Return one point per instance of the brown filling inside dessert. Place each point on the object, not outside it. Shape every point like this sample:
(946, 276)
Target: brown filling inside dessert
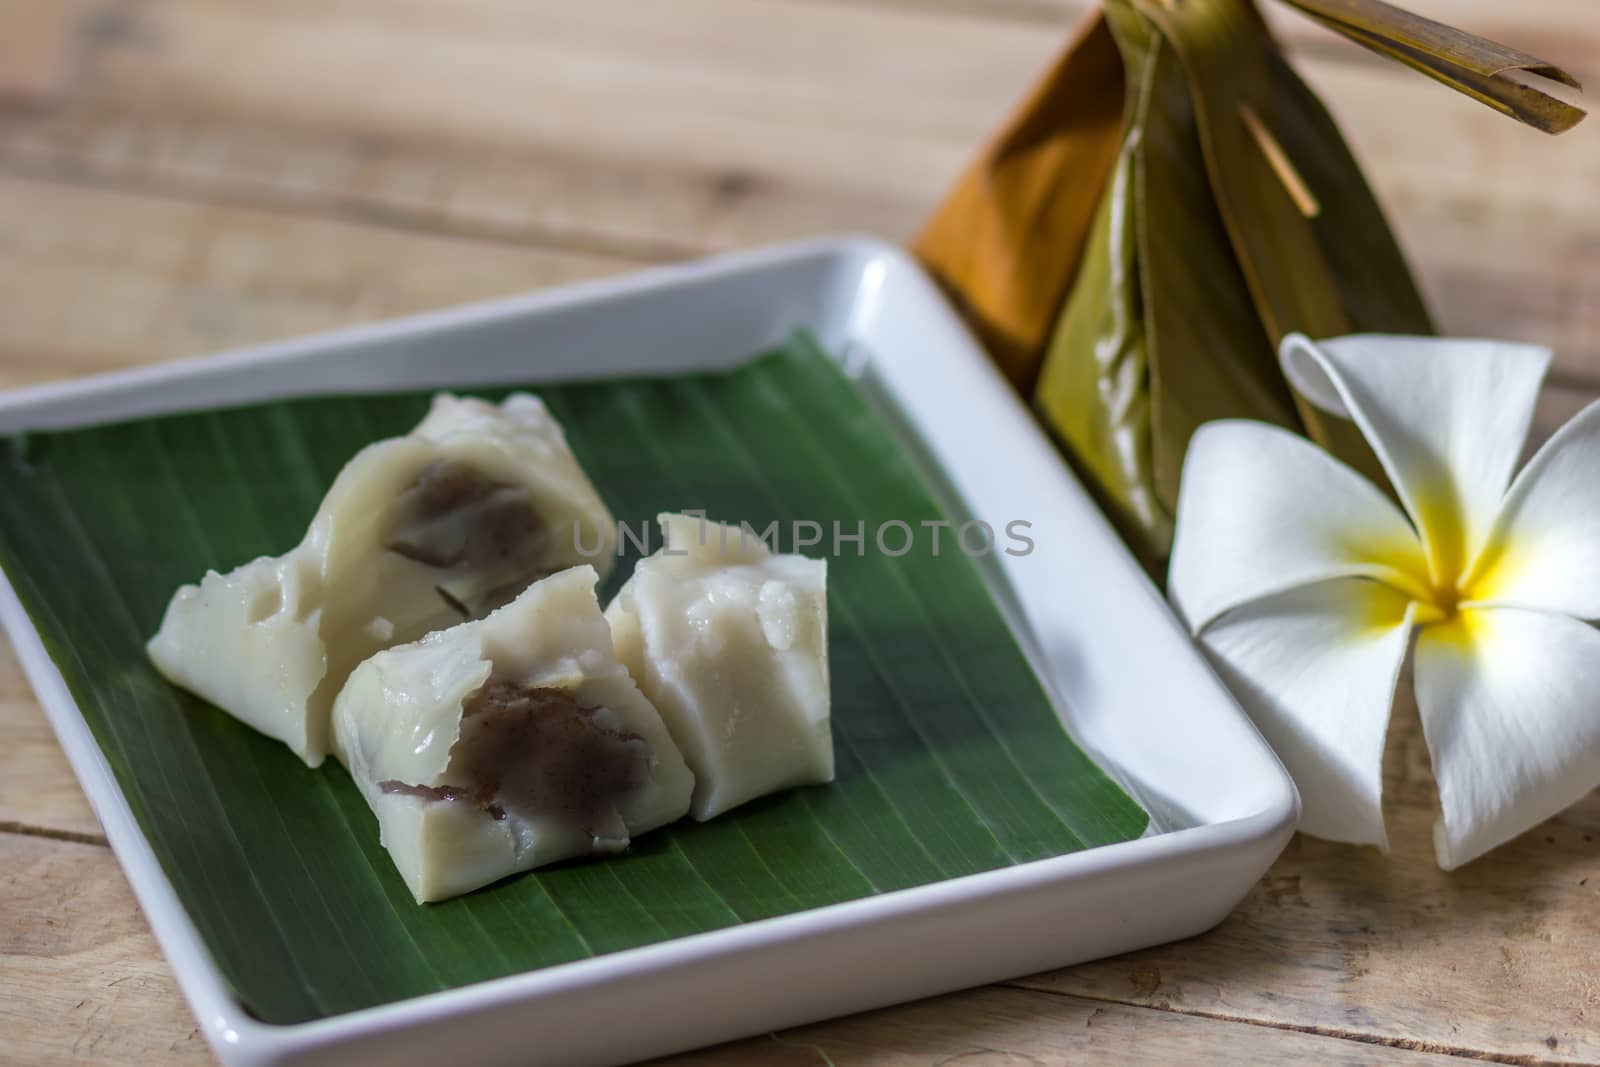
(454, 515)
(537, 751)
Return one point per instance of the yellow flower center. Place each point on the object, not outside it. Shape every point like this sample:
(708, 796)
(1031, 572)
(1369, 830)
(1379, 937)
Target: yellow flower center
(1441, 605)
(1441, 581)
(1437, 580)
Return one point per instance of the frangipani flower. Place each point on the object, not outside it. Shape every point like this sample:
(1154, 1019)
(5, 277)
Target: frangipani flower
(1308, 586)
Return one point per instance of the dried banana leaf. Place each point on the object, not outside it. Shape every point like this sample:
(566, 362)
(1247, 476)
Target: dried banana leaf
(1469, 64)
(1160, 332)
(1007, 241)
(1234, 213)
(1094, 391)
(1362, 255)
(1313, 245)
(1216, 237)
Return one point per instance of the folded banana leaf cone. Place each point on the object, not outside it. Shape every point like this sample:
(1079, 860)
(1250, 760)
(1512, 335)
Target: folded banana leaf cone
(1167, 204)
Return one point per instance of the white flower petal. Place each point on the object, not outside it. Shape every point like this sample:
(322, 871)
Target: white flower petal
(1510, 705)
(1315, 669)
(1447, 419)
(1262, 510)
(1544, 549)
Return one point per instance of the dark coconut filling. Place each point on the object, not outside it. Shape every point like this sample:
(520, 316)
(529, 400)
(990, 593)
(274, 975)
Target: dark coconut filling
(538, 752)
(454, 517)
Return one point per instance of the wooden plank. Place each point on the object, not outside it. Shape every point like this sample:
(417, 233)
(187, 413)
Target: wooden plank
(1500, 959)
(95, 280)
(37, 790)
(81, 983)
(603, 126)
(81, 980)
(35, 46)
(854, 98)
(604, 120)
(1001, 1027)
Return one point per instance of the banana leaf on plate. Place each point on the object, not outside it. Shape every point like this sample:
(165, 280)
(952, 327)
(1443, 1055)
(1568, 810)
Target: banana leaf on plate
(952, 759)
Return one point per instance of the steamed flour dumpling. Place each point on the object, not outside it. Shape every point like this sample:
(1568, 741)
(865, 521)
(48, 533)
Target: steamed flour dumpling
(499, 745)
(418, 532)
(730, 642)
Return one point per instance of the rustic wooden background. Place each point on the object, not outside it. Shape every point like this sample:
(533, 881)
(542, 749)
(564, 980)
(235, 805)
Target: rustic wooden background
(180, 176)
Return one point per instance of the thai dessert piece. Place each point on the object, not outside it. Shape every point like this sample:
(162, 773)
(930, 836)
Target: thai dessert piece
(503, 744)
(729, 640)
(419, 532)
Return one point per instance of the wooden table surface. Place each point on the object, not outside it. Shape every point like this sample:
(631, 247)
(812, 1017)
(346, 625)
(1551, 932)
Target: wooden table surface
(181, 176)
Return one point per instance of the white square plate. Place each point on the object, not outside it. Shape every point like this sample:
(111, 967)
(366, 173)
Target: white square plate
(1128, 681)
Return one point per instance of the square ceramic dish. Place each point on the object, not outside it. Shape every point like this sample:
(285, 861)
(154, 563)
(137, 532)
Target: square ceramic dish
(1124, 675)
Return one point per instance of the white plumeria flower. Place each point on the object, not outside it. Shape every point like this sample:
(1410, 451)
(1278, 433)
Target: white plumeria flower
(1306, 584)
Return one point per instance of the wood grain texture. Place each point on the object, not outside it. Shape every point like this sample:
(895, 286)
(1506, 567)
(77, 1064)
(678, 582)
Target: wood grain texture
(81, 980)
(673, 131)
(1501, 957)
(35, 50)
(169, 278)
(38, 793)
(1004, 1027)
(206, 173)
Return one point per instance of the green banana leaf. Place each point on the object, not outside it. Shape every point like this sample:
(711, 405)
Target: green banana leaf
(951, 758)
